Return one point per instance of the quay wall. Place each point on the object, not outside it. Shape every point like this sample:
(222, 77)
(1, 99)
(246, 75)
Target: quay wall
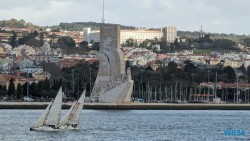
(131, 106)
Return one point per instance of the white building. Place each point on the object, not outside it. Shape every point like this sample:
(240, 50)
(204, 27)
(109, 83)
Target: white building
(139, 56)
(46, 54)
(32, 69)
(138, 34)
(41, 75)
(156, 47)
(23, 50)
(26, 63)
(231, 56)
(89, 35)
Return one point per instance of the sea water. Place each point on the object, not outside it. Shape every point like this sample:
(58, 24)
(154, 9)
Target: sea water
(132, 125)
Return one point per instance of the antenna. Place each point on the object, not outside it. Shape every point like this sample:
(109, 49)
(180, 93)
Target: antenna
(103, 20)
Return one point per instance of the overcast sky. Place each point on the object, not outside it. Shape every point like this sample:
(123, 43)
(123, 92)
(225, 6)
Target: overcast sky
(220, 16)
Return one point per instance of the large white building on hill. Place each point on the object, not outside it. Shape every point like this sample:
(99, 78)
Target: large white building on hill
(139, 34)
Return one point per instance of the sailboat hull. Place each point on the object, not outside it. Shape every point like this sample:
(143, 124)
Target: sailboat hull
(68, 127)
(45, 128)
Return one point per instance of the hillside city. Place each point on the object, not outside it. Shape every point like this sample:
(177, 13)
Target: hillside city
(124, 70)
(167, 65)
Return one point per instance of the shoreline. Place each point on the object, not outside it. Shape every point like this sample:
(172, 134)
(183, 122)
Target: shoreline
(131, 106)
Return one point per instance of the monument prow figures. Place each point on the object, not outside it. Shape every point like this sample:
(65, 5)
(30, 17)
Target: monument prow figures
(112, 84)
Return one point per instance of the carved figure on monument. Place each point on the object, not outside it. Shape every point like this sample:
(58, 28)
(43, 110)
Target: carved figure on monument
(111, 85)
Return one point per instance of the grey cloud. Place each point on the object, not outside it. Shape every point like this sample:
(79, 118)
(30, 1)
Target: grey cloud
(221, 16)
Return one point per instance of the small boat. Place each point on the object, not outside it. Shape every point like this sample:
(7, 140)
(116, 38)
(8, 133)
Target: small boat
(72, 117)
(49, 120)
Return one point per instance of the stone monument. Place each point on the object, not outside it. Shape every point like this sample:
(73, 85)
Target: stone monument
(113, 83)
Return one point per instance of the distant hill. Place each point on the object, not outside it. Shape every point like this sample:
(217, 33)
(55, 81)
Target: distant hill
(195, 34)
(17, 24)
(78, 26)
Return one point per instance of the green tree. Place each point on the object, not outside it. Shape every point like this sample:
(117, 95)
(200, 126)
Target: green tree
(176, 43)
(84, 45)
(155, 41)
(246, 42)
(53, 37)
(66, 42)
(189, 67)
(40, 87)
(47, 84)
(130, 42)
(33, 89)
(41, 38)
(30, 40)
(33, 42)
(205, 39)
(96, 46)
(35, 33)
(248, 73)
(163, 45)
(19, 91)
(13, 40)
(172, 66)
(4, 89)
(225, 44)
(11, 89)
(243, 69)
(172, 46)
(231, 74)
(24, 87)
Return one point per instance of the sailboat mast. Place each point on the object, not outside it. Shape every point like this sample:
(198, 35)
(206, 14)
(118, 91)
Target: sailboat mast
(27, 89)
(180, 90)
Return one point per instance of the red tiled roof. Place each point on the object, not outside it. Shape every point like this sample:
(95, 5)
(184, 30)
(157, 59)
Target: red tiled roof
(92, 60)
(8, 76)
(69, 61)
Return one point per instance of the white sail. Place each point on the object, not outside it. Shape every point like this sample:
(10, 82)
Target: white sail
(40, 121)
(65, 120)
(73, 115)
(53, 116)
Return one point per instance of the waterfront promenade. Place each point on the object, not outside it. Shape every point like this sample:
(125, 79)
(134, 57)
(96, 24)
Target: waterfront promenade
(131, 106)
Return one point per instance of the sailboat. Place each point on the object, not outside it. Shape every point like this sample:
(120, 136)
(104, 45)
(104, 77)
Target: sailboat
(49, 120)
(72, 117)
